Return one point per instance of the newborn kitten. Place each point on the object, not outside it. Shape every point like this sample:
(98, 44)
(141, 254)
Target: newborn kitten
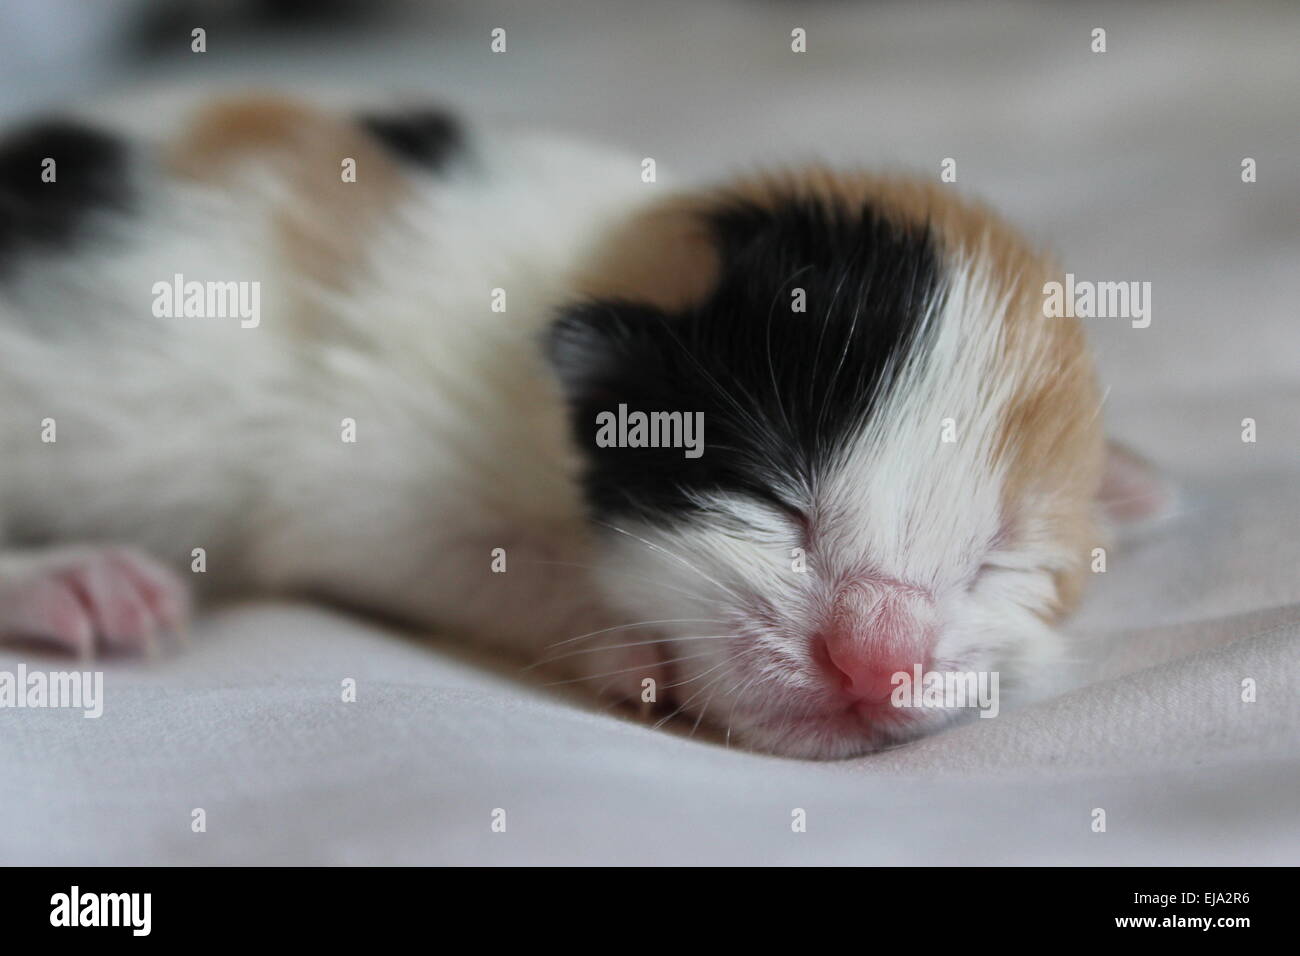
(394, 364)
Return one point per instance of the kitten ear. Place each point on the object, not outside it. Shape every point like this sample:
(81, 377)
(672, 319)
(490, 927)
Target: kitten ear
(598, 347)
(1133, 492)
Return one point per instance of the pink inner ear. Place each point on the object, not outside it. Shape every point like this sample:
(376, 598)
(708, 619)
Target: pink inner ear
(1131, 488)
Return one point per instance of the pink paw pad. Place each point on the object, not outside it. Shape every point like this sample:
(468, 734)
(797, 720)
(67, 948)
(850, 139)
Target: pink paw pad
(91, 600)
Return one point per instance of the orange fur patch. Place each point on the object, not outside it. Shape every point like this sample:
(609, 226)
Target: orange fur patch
(662, 255)
(320, 220)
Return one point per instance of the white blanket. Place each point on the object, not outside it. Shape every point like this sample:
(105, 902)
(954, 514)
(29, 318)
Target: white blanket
(1129, 164)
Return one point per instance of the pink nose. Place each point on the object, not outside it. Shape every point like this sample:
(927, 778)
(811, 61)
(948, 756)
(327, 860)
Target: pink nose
(876, 630)
(863, 673)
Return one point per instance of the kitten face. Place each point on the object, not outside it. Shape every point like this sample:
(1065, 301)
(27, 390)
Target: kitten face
(900, 456)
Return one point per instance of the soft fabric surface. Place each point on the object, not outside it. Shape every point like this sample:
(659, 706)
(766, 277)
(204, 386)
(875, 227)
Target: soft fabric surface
(1128, 163)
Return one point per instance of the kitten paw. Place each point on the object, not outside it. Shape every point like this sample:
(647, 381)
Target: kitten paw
(91, 599)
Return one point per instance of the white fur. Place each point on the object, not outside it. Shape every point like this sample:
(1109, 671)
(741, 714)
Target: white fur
(175, 434)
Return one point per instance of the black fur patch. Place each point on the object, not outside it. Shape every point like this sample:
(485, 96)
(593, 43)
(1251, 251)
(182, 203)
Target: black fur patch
(91, 176)
(427, 137)
(781, 391)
